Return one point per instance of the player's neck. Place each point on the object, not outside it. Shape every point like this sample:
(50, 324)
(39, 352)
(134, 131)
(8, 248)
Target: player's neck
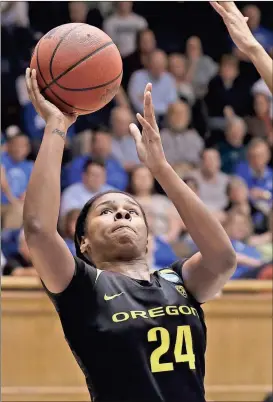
(136, 269)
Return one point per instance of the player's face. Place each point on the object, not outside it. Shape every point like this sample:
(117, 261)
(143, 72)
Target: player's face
(116, 229)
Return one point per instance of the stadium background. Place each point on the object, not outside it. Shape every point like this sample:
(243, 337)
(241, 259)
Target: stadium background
(36, 363)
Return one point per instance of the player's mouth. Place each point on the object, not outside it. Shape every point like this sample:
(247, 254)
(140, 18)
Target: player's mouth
(122, 227)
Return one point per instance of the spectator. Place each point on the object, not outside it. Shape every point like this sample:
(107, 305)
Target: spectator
(101, 147)
(232, 150)
(18, 170)
(260, 125)
(79, 12)
(165, 221)
(260, 87)
(123, 145)
(146, 44)
(68, 229)
(181, 144)
(225, 90)
(20, 263)
(263, 242)
(200, 68)
(93, 182)
(177, 67)
(212, 182)
(239, 201)
(239, 228)
(262, 35)
(14, 14)
(123, 27)
(160, 254)
(257, 174)
(164, 87)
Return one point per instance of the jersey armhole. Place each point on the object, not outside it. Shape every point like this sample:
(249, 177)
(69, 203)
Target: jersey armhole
(81, 269)
(177, 268)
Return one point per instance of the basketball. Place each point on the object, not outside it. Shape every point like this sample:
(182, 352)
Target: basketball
(79, 68)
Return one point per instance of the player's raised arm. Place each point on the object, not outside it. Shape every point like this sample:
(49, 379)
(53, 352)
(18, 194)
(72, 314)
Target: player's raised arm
(206, 272)
(49, 253)
(241, 35)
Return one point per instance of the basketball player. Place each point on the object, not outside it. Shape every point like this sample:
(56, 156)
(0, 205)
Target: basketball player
(241, 35)
(137, 336)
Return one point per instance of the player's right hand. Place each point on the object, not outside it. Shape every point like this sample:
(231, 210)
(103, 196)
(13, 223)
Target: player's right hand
(236, 24)
(43, 107)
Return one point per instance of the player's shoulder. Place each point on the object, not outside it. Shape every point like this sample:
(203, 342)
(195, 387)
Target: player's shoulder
(172, 273)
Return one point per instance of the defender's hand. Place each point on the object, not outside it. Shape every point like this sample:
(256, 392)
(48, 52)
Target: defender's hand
(236, 24)
(149, 145)
(43, 107)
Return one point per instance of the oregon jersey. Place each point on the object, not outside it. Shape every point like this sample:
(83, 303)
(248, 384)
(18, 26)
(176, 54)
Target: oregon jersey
(134, 340)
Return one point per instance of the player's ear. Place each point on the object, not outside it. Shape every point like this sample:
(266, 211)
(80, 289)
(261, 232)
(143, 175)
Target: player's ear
(85, 245)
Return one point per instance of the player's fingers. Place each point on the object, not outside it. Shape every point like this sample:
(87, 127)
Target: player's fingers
(29, 86)
(149, 113)
(217, 7)
(135, 133)
(148, 88)
(36, 91)
(149, 132)
(229, 5)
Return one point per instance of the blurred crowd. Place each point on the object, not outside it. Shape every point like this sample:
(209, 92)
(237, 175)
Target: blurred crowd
(214, 114)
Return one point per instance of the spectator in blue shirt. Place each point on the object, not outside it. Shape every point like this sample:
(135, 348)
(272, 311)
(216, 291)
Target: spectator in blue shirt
(18, 170)
(262, 35)
(256, 172)
(160, 253)
(93, 182)
(116, 175)
(68, 226)
(232, 150)
(164, 86)
(239, 228)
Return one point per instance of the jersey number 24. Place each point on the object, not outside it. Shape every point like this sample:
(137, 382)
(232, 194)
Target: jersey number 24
(183, 335)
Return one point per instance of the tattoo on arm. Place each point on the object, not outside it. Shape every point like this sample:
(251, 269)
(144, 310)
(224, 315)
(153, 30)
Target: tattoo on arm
(59, 132)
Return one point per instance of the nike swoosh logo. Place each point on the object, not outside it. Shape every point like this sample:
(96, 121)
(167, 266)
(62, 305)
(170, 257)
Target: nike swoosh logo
(106, 298)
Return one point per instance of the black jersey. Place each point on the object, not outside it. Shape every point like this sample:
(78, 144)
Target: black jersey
(135, 341)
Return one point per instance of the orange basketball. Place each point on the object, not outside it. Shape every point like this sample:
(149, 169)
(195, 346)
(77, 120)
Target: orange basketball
(79, 68)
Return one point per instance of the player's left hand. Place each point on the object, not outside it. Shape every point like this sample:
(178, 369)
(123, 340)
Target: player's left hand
(149, 145)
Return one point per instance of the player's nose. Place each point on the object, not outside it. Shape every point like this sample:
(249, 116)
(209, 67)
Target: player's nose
(122, 214)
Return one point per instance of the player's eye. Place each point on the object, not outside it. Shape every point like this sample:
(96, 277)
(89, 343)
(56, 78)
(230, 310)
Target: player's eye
(132, 211)
(106, 211)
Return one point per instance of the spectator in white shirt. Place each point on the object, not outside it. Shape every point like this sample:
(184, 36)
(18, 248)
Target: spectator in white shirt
(177, 67)
(93, 182)
(123, 144)
(123, 27)
(182, 144)
(164, 86)
(212, 183)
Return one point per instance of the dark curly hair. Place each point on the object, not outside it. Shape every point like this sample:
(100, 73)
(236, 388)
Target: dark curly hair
(81, 221)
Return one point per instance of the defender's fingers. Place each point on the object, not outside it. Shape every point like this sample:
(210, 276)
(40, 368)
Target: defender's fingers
(217, 7)
(149, 113)
(136, 134)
